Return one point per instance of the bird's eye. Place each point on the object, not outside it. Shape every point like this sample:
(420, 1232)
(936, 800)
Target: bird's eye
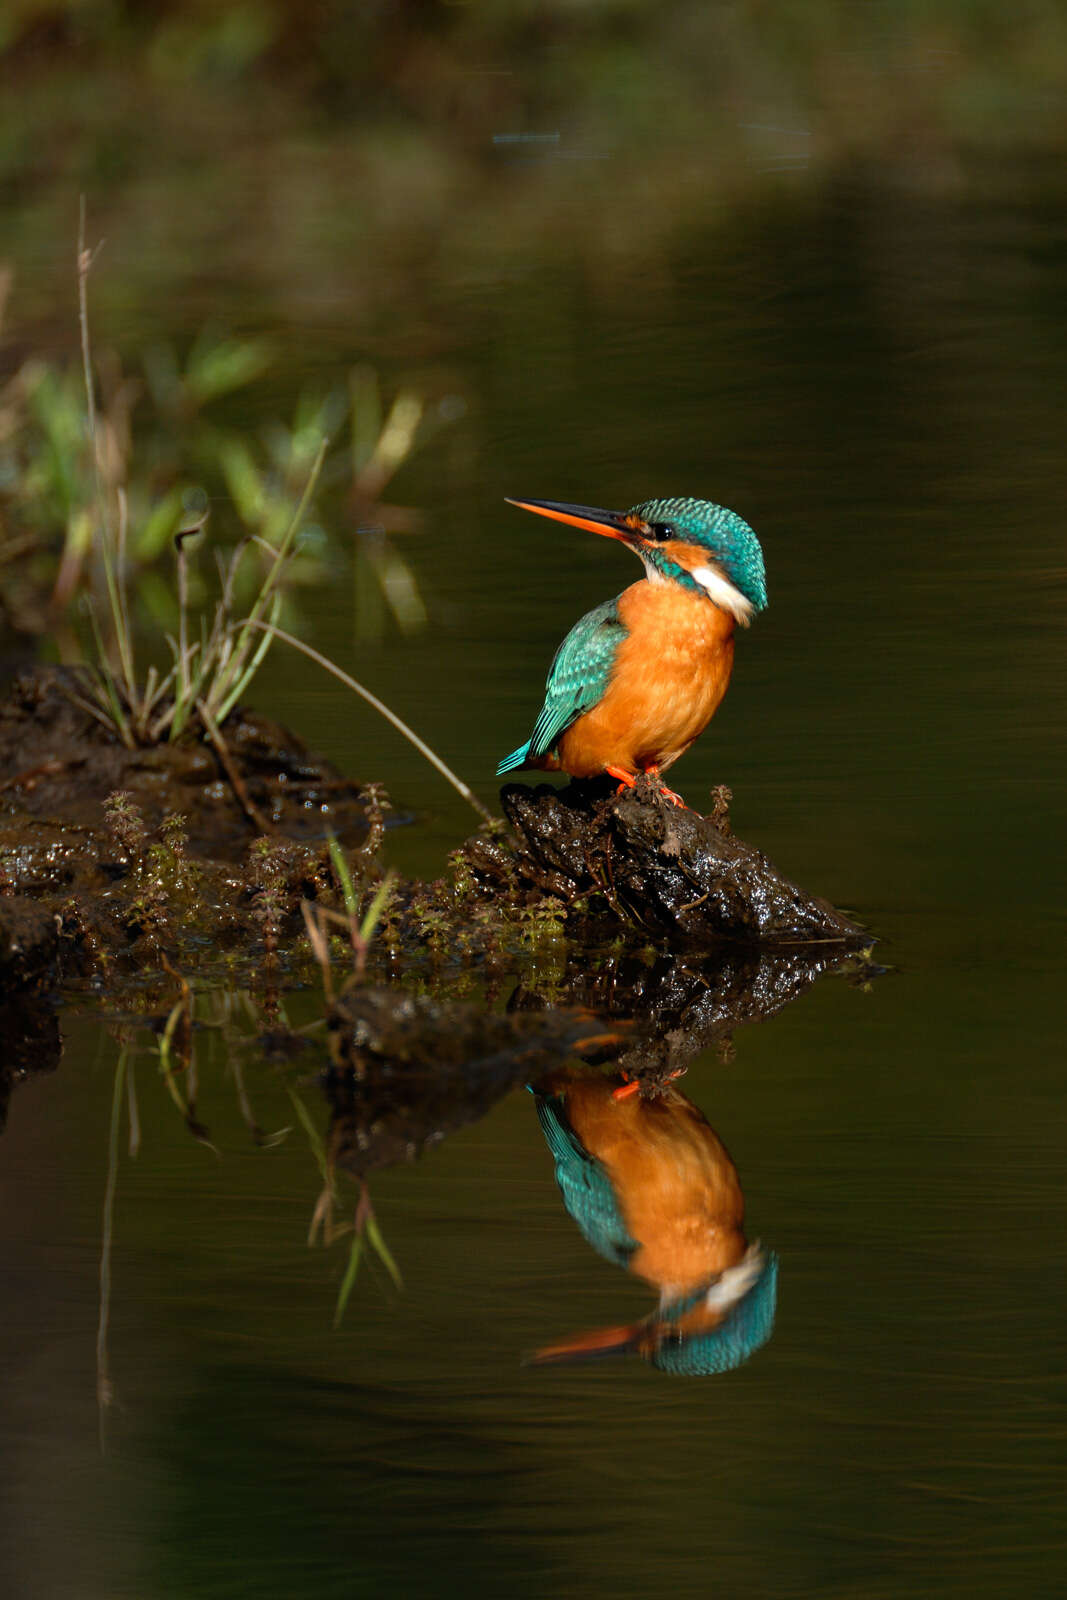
(661, 530)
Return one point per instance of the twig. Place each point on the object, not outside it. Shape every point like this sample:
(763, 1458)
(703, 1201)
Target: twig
(379, 706)
(237, 784)
(85, 261)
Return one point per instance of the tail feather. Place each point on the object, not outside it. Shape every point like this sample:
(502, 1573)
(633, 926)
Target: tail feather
(516, 759)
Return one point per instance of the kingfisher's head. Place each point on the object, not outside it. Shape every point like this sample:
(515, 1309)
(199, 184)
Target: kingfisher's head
(716, 1329)
(701, 546)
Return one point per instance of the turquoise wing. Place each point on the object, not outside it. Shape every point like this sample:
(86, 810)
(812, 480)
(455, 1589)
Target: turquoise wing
(577, 679)
(584, 1185)
(745, 1330)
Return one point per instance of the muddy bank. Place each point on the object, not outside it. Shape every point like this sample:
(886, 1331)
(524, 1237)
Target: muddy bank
(638, 860)
(57, 762)
(117, 863)
(113, 861)
(617, 928)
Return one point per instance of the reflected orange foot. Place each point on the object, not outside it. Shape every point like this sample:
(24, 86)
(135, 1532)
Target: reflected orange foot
(631, 1086)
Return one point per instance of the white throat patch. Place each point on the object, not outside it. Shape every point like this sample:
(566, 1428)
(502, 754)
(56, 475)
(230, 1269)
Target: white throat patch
(735, 1282)
(732, 1284)
(721, 592)
(652, 572)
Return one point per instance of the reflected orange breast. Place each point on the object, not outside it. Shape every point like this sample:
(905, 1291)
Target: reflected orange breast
(675, 1184)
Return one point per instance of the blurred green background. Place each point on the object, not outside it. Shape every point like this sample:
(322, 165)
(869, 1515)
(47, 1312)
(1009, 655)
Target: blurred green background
(809, 261)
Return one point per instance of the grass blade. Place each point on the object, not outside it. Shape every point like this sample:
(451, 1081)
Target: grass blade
(120, 720)
(223, 696)
(383, 710)
(344, 875)
(254, 665)
(374, 911)
(374, 1234)
(347, 1282)
(318, 1149)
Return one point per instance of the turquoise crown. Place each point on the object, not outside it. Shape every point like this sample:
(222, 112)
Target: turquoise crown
(726, 537)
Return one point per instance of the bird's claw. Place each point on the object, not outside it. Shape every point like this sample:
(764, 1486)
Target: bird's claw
(628, 780)
(667, 794)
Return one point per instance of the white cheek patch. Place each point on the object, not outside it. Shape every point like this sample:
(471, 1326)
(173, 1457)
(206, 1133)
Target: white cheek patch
(735, 1281)
(721, 592)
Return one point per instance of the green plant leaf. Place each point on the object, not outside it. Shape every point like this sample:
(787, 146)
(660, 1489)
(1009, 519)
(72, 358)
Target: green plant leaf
(348, 1281)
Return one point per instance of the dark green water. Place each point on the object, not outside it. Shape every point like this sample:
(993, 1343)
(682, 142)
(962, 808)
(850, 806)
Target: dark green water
(874, 377)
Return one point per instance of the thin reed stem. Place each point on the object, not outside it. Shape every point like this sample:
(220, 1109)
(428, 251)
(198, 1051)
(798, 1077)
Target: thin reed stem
(229, 684)
(85, 261)
(383, 710)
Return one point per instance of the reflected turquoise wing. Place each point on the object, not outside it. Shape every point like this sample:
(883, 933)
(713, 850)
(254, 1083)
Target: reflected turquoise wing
(577, 679)
(585, 1186)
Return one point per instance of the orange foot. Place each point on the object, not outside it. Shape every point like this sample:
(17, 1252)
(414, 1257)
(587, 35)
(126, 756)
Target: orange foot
(627, 780)
(668, 794)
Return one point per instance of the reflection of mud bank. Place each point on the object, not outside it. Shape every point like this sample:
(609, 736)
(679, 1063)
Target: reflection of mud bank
(410, 1070)
(29, 1031)
(679, 1005)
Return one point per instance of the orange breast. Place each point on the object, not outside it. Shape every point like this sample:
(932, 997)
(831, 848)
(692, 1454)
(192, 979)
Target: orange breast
(669, 676)
(674, 1181)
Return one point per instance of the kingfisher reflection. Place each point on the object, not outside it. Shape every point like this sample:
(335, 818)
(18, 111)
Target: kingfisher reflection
(653, 1189)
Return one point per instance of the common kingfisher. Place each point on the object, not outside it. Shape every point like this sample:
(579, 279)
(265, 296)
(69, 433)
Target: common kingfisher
(652, 1188)
(639, 677)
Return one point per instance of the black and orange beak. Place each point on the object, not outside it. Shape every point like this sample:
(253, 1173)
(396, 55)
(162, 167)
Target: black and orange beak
(612, 524)
(593, 1345)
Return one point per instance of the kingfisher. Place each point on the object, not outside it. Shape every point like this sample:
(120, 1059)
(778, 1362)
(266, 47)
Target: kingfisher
(639, 677)
(652, 1188)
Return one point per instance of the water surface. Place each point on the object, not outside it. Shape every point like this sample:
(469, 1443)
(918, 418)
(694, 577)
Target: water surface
(871, 373)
